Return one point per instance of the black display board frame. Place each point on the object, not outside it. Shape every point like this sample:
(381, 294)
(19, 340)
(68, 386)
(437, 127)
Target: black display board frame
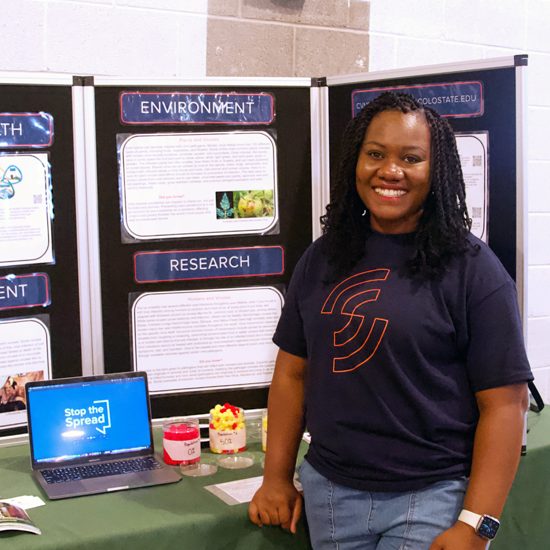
(24, 95)
(93, 275)
(294, 174)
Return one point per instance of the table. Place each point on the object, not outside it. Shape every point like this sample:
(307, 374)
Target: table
(186, 516)
(525, 517)
(178, 516)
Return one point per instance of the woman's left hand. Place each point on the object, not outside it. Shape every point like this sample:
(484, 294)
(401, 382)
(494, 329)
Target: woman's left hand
(459, 537)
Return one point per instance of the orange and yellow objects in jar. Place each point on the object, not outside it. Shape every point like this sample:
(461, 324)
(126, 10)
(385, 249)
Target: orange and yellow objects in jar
(227, 429)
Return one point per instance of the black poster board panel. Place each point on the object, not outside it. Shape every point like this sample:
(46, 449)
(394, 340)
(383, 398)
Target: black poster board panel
(64, 310)
(292, 127)
(499, 119)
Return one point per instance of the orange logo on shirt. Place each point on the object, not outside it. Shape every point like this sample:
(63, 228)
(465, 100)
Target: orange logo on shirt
(349, 299)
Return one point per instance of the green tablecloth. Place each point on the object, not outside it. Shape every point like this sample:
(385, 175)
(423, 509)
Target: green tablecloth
(186, 516)
(525, 521)
(178, 516)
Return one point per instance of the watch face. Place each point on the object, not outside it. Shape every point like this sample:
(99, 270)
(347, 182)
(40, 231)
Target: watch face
(488, 527)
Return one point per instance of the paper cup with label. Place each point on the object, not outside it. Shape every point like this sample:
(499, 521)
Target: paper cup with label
(227, 429)
(181, 441)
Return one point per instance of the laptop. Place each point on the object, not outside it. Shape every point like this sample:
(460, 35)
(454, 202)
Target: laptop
(93, 435)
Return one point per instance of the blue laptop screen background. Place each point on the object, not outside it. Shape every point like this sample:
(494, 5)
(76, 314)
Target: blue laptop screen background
(89, 418)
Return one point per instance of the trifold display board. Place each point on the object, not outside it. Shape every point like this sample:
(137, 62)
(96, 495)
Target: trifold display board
(39, 275)
(205, 206)
(484, 104)
(154, 225)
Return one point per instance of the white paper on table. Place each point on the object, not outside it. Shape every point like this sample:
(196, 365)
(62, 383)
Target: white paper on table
(25, 501)
(236, 492)
(240, 491)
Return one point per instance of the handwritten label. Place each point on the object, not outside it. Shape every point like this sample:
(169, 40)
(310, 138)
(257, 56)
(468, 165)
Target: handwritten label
(228, 441)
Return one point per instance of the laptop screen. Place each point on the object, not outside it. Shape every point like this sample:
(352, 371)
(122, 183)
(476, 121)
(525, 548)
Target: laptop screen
(83, 418)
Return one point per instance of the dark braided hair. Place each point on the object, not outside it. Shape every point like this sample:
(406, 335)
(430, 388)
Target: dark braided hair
(444, 223)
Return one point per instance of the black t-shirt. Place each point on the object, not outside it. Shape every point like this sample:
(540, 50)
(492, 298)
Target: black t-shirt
(393, 363)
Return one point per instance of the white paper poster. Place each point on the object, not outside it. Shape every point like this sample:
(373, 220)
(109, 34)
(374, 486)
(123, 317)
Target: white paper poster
(472, 149)
(25, 221)
(25, 357)
(206, 339)
(196, 184)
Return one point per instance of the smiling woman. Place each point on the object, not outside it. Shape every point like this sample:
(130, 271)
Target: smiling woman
(412, 144)
(391, 353)
(393, 170)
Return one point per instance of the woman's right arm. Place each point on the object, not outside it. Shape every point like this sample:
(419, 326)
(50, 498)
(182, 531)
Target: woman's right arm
(277, 502)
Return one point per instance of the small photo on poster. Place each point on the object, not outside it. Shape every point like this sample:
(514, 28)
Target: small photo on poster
(255, 203)
(25, 357)
(197, 184)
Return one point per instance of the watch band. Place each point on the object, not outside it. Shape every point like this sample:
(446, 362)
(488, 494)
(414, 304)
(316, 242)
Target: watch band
(470, 518)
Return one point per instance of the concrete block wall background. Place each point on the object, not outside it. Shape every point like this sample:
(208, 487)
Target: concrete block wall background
(135, 38)
(185, 38)
(426, 32)
(287, 37)
(196, 38)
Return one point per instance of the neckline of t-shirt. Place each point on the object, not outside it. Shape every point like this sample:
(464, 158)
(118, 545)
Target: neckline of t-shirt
(397, 237)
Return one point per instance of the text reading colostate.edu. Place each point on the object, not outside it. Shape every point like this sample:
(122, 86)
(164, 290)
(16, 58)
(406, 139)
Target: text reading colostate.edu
(205, 264)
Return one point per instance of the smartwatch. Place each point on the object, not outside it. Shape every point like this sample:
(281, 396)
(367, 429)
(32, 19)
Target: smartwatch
(485, 526)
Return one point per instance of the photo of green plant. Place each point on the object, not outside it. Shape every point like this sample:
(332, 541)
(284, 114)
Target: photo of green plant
(253, 204)
(224, 205)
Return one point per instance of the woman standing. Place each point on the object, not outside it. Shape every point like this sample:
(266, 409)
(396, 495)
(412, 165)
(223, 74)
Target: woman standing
(401, 350)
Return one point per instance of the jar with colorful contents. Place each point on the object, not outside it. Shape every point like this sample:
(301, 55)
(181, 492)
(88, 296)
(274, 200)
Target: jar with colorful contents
(227, 429)
(181, 441)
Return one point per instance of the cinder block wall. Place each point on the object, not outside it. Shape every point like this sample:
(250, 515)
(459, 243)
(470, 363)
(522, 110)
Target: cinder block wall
(287, 37)
(185, 38)
(139, 38)
(405, 34)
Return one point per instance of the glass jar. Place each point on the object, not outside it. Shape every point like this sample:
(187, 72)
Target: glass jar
(227, 429)
(181, 441)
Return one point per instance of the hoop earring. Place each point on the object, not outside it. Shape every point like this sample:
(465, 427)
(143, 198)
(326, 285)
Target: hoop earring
(364, 213)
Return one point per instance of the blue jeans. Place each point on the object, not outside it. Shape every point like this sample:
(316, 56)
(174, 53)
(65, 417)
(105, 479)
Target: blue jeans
(342, 518)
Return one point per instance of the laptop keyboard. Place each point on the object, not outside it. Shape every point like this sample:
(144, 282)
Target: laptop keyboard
(101, 469)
